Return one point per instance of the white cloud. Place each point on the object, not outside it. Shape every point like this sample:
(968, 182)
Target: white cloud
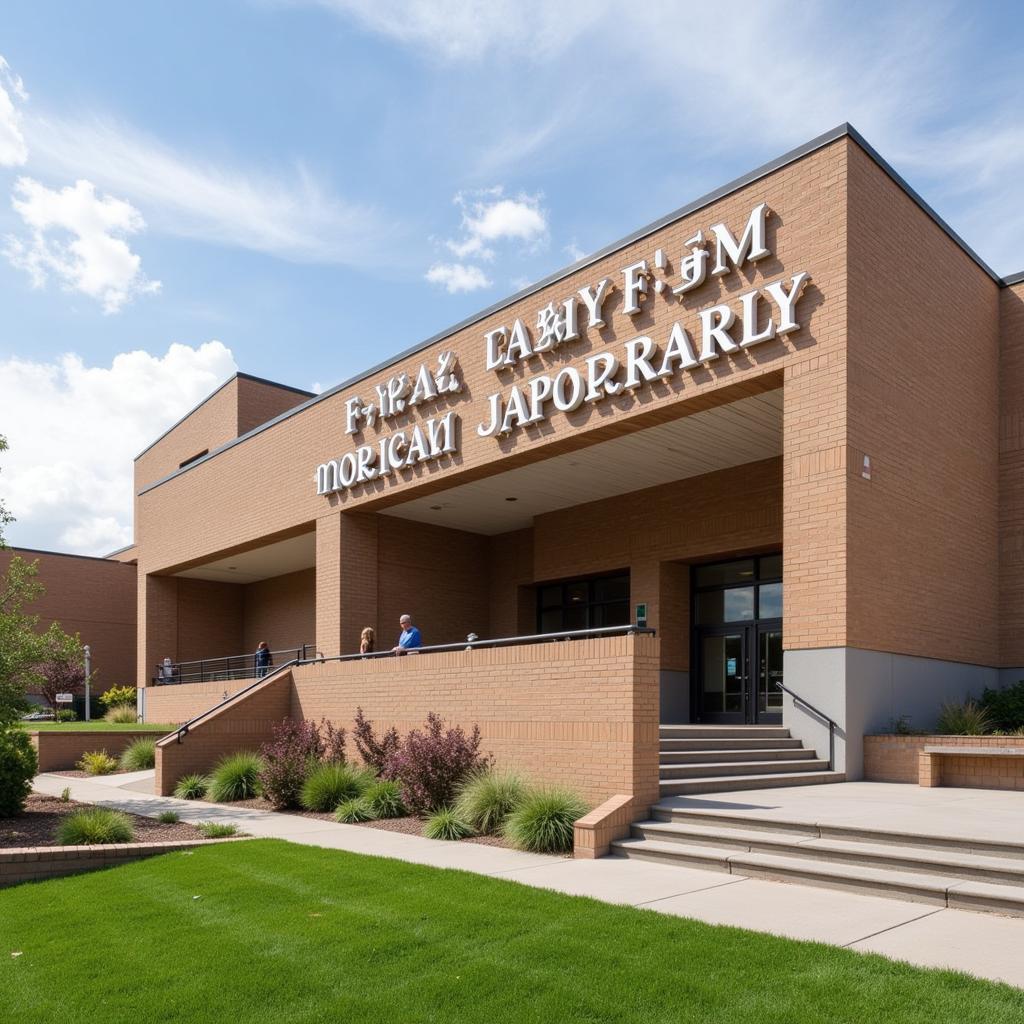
(574, 252)
(296, 218)
(77, 237)
(75, 429)
(13, 151)
(489, 217)
(469, 29)
(457, 277)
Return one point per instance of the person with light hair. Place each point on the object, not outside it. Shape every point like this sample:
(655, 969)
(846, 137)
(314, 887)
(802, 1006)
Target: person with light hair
(410, 638)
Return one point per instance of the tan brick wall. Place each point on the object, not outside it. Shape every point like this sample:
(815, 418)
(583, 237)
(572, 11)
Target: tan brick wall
(260, 401)
(245, 724)
(1011, 476)
(583, 713)
(281, 610)
(181, 701)
(95, 598)
(210, 620)
(923, 363)
(61, 751)
(36, 863)
(897, 759)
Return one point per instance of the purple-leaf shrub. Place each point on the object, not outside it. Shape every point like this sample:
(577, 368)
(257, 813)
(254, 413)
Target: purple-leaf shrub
(295, 749)
(375, 753)
(432, 762)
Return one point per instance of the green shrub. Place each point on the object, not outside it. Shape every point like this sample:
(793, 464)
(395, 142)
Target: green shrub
(94, 827)
(18, 764)
(122, 714)
(384, 798)
(216, 829)
(118, 696)
(236, 777)
(139, 755)
(963, 718)
(97, 762)
(168, 817)
(65, 795)
(65, 715)
(192, 787)
(444, 823)
(331, 784)
(1005, 707)
(543, 821)
(358, 809)
(487, 799)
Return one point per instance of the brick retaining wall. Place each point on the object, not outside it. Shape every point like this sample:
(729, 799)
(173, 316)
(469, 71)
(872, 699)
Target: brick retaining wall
(35, 863)
(61, 751)
(894, 758)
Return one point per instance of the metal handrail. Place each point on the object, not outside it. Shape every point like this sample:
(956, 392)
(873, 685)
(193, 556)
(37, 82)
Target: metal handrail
(832, 726)
(226, 668)
(504, 641)
(467, 645)
(182, 731)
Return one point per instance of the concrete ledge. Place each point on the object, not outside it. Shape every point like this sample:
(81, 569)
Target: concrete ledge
(594, 832)
(34, 863)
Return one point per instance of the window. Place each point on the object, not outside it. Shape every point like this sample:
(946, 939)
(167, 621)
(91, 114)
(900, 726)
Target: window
(583, 604)
(745, 590)
(193, 458)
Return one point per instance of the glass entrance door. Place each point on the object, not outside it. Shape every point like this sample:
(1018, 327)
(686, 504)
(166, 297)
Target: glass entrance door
(737, 649)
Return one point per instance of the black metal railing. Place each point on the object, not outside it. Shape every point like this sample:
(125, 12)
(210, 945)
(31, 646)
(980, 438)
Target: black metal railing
(227, 669)
(467, 645)
(832, 726)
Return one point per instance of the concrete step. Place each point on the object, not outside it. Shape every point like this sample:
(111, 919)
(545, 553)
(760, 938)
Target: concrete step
(669, 811)
(809, 763)
(794, 753)
(894, 857)
(935, 889)
(710, 732)
(732, 742)
(728, 783)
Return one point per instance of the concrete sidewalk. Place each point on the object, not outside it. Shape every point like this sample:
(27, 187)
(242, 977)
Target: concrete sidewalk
(985, 945)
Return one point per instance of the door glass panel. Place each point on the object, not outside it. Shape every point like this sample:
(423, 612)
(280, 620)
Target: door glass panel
(722, 673)
(770, 601)
(769, 671)
(718, 606)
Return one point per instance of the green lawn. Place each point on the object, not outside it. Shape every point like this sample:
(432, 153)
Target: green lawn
(98, 727)
(288, 933)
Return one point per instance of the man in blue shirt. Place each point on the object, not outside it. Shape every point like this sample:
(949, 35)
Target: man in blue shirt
(410, 637)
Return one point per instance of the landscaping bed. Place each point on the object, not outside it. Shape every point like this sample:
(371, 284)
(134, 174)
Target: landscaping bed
(38, 824)
(267, 931)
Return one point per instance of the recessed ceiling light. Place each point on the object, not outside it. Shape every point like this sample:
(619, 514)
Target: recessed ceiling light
(233, 568)
(511, 499)
(436, 508)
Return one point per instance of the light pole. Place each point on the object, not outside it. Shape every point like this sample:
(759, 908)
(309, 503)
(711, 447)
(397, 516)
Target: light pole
(88, 672)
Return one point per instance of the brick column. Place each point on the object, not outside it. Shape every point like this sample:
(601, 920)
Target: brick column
(346, 581)
(157, 623)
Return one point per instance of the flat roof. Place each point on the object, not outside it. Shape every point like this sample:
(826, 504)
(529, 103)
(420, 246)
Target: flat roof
(16, 550)
(844, 130)
(216, 391)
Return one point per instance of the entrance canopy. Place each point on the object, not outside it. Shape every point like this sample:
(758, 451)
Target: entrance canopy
(746, 430)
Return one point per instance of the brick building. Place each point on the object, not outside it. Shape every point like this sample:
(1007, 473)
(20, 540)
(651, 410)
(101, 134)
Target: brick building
(782, 426)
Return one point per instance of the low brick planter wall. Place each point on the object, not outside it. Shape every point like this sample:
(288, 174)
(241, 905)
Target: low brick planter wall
(61, 751)
(34, 863)
(894, 758)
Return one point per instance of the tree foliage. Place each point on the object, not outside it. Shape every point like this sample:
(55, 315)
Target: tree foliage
(5, 516)
(61, 665)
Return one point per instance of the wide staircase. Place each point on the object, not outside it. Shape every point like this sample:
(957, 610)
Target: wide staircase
(712, 758)
(964, 873)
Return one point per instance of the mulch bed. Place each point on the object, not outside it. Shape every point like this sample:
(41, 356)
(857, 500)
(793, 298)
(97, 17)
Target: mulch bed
(37, 825)
(409, 826)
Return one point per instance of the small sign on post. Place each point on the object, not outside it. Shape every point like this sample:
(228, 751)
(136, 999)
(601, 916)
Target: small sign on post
(65, 698)
(641, 615)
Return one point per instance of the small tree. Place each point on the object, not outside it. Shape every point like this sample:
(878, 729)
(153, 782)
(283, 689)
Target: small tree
(62, 665)
(20, 644)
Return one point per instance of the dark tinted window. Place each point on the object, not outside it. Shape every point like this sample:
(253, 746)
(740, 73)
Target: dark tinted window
(583, 604)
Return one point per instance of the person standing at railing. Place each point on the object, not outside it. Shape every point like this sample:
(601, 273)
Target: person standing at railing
(167, 670)
(410, 638)
(366, 640)
(263, 661)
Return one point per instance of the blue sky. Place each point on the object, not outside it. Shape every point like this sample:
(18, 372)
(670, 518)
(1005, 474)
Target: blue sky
(299, 188)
